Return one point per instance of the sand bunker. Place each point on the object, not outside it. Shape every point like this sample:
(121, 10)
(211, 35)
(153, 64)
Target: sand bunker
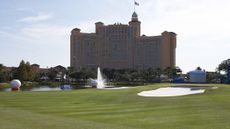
(170, 92)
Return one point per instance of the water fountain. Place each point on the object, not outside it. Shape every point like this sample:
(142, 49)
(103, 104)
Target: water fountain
(100, 80)
(99, 83)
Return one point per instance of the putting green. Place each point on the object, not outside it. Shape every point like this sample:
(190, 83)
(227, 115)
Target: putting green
(115, 109)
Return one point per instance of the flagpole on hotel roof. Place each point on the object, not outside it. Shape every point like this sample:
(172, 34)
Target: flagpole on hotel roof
(134, 5)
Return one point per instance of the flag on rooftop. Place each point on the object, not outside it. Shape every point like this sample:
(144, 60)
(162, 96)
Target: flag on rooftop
(136, 3)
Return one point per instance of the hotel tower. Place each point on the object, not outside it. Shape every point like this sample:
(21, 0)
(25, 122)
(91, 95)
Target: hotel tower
(121, 46)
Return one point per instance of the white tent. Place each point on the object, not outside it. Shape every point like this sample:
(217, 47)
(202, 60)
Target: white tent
(197, 76)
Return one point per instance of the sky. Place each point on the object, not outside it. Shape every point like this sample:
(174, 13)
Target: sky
(38, 31)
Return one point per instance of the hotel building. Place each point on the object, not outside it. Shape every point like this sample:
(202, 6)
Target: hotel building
(121, 46)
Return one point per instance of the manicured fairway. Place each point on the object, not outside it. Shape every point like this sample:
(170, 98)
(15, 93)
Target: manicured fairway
(114, 109)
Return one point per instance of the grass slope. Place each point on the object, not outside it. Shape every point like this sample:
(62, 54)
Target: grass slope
(114, 109)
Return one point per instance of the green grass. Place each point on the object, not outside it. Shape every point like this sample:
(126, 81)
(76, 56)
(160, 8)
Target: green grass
(4, 85)
(114, 109)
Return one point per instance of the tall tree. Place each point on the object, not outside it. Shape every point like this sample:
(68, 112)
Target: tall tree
(24, 72)
(172, 72)
(52, 73)
(1, 73)
(198, 68)
(21, 72)
(1, 67)
(223, 66)
(29, 72)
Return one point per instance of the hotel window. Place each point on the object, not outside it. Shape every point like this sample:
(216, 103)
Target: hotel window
(78, 50)
(157, 53)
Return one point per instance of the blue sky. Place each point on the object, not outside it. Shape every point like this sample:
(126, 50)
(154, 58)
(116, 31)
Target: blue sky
(38, 30)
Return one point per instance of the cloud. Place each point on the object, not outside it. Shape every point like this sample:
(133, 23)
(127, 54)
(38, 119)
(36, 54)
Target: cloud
(86, 26)
(202, 27)
(48, 31)
(3, 33)
(38, 18)
(45, 31)
(22, 9)
(11, 35)
(38, 34)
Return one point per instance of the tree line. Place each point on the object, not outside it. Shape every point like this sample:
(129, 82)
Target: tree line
(22, 72)
(25, 72)
(146, 75)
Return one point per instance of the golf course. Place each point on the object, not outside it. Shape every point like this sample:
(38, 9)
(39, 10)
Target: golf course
(116, 109)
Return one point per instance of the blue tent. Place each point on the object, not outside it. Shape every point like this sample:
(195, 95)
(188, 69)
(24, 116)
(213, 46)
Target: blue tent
(228, 74)
(197, 76)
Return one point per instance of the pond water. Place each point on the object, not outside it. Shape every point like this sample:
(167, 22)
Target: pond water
(61, 88)
(46, 88)
(6, 89)
(42, 88)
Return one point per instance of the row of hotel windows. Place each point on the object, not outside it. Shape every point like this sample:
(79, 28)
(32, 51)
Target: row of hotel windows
(148, 54)
(151, 52)
(114, 48)
(117, 30)
(119, 40)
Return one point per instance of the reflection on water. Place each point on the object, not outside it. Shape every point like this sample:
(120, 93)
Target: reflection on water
(45, 88)
(41, 88)
(58, 88)
(48, 88)
(6, 89)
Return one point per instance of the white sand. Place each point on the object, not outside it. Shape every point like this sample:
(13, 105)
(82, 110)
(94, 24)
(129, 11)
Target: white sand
(170, 92)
